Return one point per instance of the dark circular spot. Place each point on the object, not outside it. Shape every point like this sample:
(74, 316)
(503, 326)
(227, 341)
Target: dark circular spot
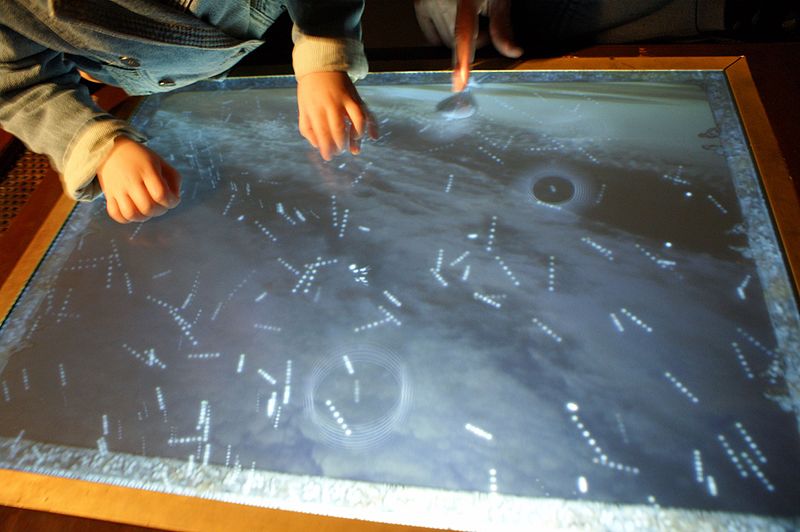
(553, 189)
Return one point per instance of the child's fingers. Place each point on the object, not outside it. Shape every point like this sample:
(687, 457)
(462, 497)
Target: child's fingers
(307, 131)
(357, 116)
(173, 180)
(113, 211)
(336, 128)
(157, 190)
(145, 203)
(129, 211)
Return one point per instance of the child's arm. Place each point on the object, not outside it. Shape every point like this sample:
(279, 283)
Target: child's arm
(328, 56)
(43, 104)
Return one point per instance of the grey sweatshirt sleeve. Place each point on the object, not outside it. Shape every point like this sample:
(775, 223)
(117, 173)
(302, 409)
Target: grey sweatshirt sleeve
(44, 105)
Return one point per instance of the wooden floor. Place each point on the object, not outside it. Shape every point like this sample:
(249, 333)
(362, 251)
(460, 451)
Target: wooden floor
(16, 520)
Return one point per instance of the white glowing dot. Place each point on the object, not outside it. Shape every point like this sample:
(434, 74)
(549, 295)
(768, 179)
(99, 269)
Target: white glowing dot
(688, 194)
(667, 244)
(348, 432)
(572, 407)
(583, 484)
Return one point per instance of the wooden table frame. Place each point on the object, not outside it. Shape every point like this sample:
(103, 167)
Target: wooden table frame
(21, 257)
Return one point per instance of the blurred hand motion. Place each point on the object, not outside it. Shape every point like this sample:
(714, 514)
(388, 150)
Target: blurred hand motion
(454, 23)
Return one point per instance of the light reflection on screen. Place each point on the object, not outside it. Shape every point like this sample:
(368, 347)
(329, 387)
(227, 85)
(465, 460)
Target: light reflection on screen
(557, 296)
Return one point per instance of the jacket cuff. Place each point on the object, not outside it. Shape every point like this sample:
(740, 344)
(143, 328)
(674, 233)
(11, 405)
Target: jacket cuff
(327, 54)
(85, 153)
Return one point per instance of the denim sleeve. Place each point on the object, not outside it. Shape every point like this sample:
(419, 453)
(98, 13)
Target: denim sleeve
(327, 37)
(44, 105)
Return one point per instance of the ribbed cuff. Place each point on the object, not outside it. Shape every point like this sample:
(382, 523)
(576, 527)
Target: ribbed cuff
(90, 147)
(327, 54)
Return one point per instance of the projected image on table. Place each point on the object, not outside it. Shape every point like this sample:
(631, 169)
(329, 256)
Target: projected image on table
(554, 297)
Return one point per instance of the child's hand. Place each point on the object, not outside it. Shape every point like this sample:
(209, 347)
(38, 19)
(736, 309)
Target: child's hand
(137, 183)
(332, 113)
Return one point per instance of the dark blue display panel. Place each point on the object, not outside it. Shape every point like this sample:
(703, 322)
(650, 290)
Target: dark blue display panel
(574, 293)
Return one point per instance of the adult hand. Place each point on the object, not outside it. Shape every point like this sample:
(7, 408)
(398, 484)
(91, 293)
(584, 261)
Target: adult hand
(332, 116)
(455, 24)
(137, 183)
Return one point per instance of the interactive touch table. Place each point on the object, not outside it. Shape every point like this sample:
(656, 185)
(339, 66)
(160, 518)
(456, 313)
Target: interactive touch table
(571, 308)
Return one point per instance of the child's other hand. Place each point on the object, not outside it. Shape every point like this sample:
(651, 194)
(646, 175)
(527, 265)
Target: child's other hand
(137, 183)
(332, 115)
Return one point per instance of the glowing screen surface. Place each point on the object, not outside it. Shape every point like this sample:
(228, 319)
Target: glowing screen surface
(574, 293)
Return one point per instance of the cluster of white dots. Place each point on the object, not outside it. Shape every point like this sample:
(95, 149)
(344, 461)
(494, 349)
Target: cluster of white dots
(551, 274)
(201, 417)
(479, 432)
(587, 154)
(337, 416)
(699, 476)
(711, 485)
(266, 232)
(192, 292)
(62, 375)
(635, 319)
(601, 458)
(6, 392)
(607, 253)
(310, 274)
(271, 403)
(757, 471)
(676, 177)
(740, 290)
(742, 361)
(287, 388)
(439, 259)
(465, 275)
(267, 377)
(282, 212)
(547, 330)
(62, 313)
(356, 391)
(681, 387)
(755, 342)
(601, 194)
(159, 275)
(621, 427)
(361, 175)
(160, 399)
(102, 446)
(396, 302)
(459, 259)
(493, 480)
(216, 311)
(343, 226)
(229, 204)
(334, 211)
(717, 204)
(128, 283)
(288, 266)
(206, 454)
(440, 148)
(507, 271)
(616, 322)
(492, 230)
(750, 443)
(228, 456)
(148, 357)
(277, 421)
(651, 499)
(664, 264)
(449, 184)
(267, 327)
(136, 231)
(348, 364)
(389, 318)
(486, 299)
(26, 383)
(490, 154)
(359, 273)
(185, 326)
(202, 356)
(299, 215)
(732, 456)
(438, 276)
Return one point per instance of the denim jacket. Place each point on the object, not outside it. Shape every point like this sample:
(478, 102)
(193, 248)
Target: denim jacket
(143, 46)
